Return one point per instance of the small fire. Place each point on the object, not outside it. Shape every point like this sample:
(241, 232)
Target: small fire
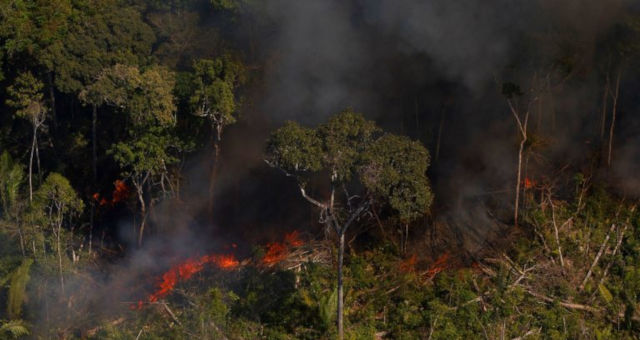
(529, 183)
(276, 252)
(120, 193)
(439, 265)
(409, 265)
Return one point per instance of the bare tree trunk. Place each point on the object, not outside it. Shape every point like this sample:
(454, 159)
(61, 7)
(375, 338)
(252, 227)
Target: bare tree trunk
(143, 212)
(60, 251)
(522, 126)
(613, 116)
(38, 160)
(518, 181)
(340, 309)
(215, 168)
(33, 148)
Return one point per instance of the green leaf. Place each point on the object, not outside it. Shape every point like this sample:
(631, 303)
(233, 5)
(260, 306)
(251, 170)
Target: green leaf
(17, 328)
(605, 293)
(17, 290)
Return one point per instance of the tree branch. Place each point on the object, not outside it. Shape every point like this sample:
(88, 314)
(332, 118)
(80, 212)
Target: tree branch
(595, 261)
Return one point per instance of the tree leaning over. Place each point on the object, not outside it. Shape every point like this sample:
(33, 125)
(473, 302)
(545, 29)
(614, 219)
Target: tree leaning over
(361, 165)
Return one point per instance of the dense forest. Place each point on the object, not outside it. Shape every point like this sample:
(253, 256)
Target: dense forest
(379, 169)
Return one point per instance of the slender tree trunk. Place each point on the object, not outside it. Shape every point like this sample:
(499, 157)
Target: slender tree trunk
(38, 160)
(215, 167)
(33, 148)
(340, 309)
(60, 252)
(613, 117)
(143, 211)
(519, 180)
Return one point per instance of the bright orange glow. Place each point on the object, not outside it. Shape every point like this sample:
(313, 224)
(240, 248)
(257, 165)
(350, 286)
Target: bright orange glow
(528, 183)
(277, 252)
(121, 191)
(184, 271)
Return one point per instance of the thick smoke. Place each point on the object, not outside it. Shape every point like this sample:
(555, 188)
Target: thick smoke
(421, 67)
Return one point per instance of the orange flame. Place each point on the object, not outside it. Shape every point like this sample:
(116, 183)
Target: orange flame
(529, 183)
(439, 265)
(409, 264)
(185, 271)
(121, 191)
(276, 252)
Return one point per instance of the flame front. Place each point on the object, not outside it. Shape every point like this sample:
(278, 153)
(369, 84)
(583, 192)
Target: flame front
(184, 271)
(276, 252)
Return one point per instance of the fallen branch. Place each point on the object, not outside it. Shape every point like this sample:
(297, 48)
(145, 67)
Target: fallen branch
(613, 254)
(555, 228)
(568, 305)
(173, 316)
(528, 333)
(595, 261)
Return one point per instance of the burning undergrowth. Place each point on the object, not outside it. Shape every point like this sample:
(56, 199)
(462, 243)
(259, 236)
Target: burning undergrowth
(275, 254)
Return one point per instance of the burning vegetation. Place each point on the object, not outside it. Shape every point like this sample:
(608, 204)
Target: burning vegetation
(446, 192)
(276, 252)
(121, 192)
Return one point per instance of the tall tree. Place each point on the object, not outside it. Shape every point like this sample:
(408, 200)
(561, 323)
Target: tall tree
(146, 99)
(214, 86)
(27, 98)
(56, 202)
(361, 165)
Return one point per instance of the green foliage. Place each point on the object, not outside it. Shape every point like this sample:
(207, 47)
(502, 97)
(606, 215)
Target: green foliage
(395, 169)
(11, 178)
(25, 95)
(213, 84)
(14, 328)
(295, 148)
(56, 196)
(149, 151)
(99, 34)
(17, 289)
(391, 168)
(147, 97)
(328, 305)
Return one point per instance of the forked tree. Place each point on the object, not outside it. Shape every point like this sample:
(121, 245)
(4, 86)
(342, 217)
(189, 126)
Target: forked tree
(360, 164)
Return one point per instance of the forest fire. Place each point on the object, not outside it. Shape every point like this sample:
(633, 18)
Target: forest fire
(184, 271)
(439, 265)
(120, 193)
(529, 183)
(276, 252)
